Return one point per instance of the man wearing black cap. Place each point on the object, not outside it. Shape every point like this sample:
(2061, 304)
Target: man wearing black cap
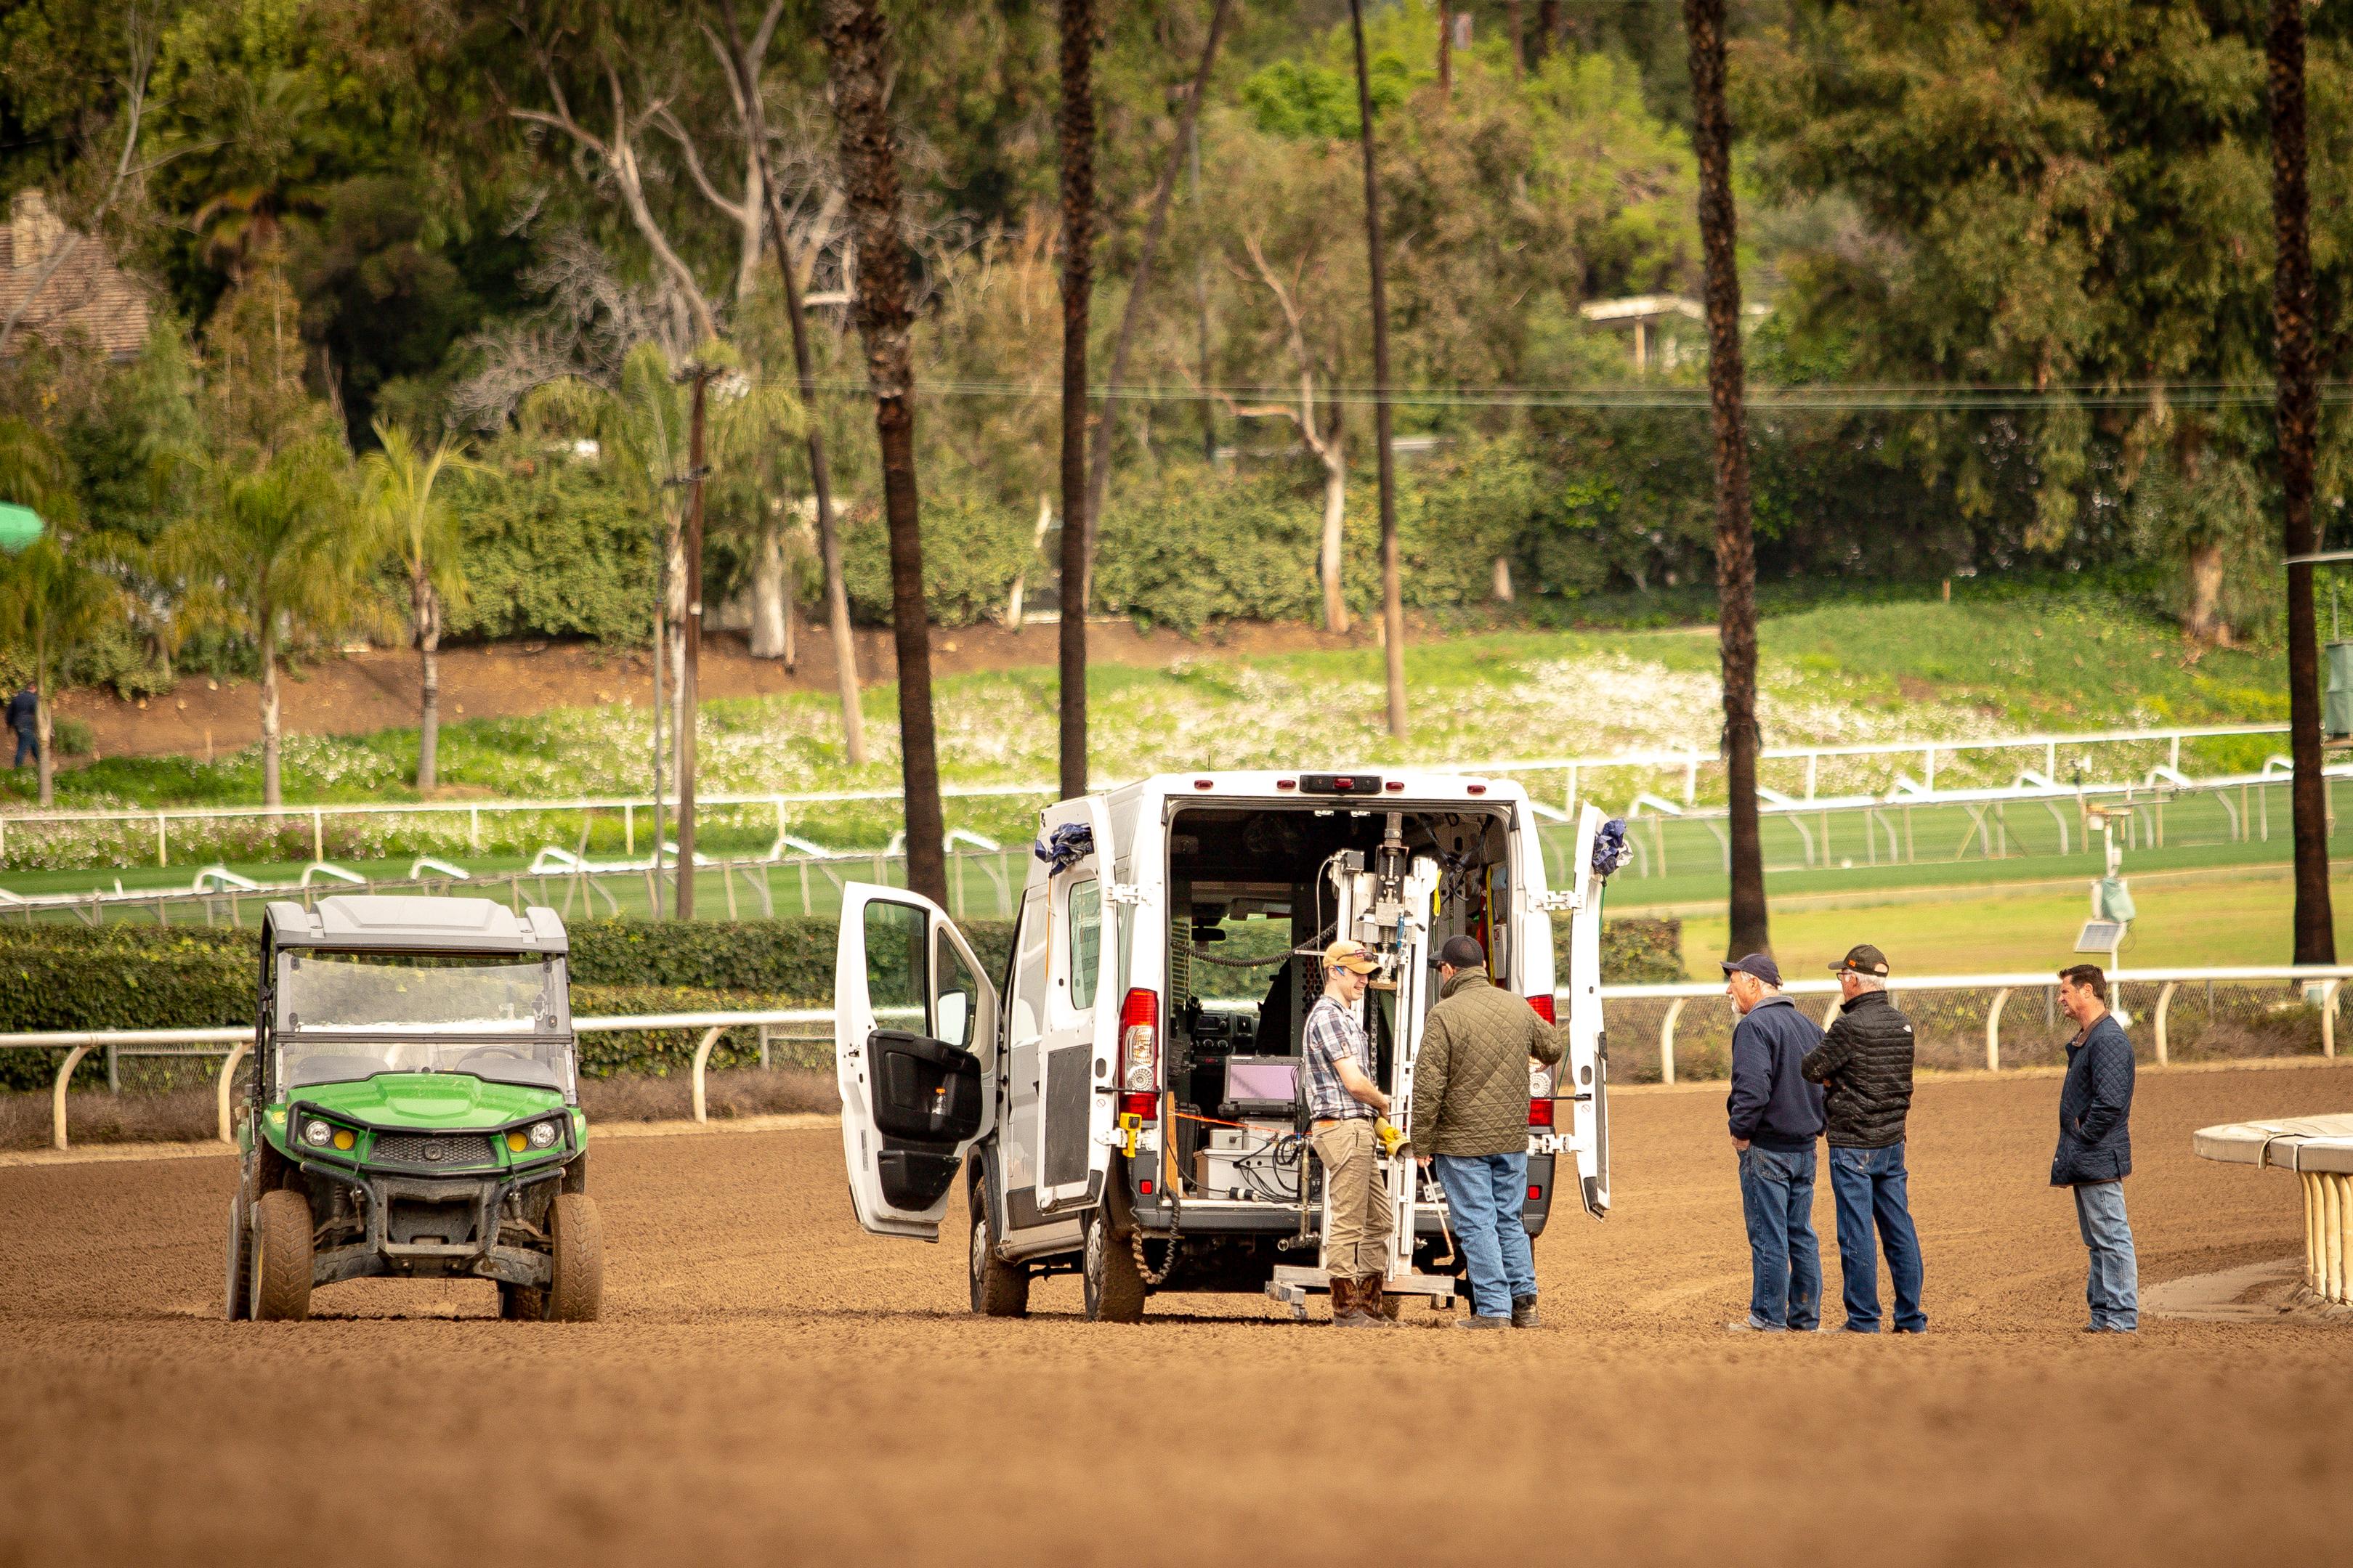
(1865, 1064)
(1471, 1119)
(1775, 1116)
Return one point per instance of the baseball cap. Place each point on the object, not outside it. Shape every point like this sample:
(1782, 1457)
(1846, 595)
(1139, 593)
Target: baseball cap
(1862, 959)
(1349, 956)
(1462, 953)
(1760, 965)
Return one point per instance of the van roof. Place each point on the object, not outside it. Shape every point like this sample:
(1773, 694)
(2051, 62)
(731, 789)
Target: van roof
(1363, 788)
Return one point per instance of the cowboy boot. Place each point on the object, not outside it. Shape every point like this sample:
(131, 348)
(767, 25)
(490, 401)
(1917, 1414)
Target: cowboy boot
(1371, 1293)
(1344, 1303)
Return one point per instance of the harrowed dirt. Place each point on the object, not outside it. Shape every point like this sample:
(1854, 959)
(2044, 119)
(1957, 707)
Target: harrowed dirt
(771, 1385)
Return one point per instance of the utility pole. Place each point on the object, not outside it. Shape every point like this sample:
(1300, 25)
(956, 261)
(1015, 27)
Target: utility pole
(1392, 584)
(682, 901)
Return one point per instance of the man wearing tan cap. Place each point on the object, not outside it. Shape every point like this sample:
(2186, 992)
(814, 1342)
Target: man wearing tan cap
(1343, 1102)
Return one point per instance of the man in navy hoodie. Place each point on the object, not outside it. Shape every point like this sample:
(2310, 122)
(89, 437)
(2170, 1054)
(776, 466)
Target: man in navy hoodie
(1775, 1116)
(2095, 1153)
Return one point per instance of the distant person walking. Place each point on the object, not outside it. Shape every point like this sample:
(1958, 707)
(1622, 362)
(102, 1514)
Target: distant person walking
(2095, 1148)
(1471, 1119)
(1865, 1066)
(1775, 1117)
(24, 718)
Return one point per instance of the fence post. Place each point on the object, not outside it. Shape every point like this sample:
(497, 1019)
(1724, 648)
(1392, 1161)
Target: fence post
(2329, 1018)
(57, 1098)
(163, 846)
(1993, 1030)
(229, 1071)
(1667, 1040)
(701, 1060)
(318, 835)
(474, 829)
(2163, 1006)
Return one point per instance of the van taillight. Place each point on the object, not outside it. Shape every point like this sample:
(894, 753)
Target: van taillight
(1143, 1108)
(1139, 1041)
(1541, 1002)
(1539, 1112)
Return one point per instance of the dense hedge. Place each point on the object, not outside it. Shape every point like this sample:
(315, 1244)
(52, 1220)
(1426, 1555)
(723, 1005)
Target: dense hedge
(137, 977)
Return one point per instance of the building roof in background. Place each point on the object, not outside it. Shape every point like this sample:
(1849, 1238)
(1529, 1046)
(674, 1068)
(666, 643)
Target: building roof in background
(87, 296)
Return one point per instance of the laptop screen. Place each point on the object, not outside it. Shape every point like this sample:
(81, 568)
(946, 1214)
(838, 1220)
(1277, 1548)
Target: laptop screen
(1262, 1080)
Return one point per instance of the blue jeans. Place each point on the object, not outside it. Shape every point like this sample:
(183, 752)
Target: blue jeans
(28, 744)
(1483, 1194)
(2112, 1285)
(1869, 1184)
(1777, 1195)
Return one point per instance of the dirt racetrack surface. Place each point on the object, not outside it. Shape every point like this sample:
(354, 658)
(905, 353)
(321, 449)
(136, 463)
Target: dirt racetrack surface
(772, 1385)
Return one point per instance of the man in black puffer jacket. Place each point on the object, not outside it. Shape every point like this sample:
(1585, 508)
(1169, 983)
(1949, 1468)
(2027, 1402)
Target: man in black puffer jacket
(1865, 1064)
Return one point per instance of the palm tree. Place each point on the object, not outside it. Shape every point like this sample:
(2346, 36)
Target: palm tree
(1392, 584)
(52, 604)
(420, 530)
(1736, 542)
(1078, 18)
(858, 54)
(271, 553)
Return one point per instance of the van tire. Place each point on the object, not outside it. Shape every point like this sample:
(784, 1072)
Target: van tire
(577, 1293)
(1115, 1291)
(999, 1289)
(280, 1291)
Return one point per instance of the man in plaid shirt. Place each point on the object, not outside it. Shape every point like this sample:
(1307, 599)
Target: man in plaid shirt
(1343, 1102)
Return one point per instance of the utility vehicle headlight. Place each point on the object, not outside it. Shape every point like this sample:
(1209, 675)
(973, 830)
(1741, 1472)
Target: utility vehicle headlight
(316, 1134)
(543, 1134)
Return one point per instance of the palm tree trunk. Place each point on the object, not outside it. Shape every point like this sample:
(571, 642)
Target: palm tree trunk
(771, 631)
(426, 604)
(1392, 578)
(1078, 139)
(857, 50)
(2316, 936)
(270, 793)
(1735, 545)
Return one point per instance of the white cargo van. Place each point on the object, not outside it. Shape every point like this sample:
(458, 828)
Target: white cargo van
(1123, 1100)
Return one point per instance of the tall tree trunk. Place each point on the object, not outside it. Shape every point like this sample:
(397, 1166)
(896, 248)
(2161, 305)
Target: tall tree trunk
(1547, 32)
(1735, 545)
(858, 52)
(270, 793)
(1392, 580)
(654, 889)
(1512, 24)
(2204, 620)
(1445, 49)
(1187, 144)
(45, 766)
(1022, 579)
(1078, 129)
(1335, 517)
(837, 594)
(2316, 934)
(426, 606)
(771, 637)
(690, 665)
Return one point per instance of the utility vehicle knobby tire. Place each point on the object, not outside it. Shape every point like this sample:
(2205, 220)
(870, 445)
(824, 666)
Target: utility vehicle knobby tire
(577, 1294)
(522, 1303)
(1114, 1292)
(282, 1257)
(236, 1304)
(999, 1289)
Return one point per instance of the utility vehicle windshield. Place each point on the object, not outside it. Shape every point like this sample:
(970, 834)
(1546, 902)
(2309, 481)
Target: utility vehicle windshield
(328, 1001)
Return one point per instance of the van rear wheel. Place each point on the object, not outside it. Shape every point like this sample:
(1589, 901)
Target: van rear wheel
(1115, 1291)
(999, 1289)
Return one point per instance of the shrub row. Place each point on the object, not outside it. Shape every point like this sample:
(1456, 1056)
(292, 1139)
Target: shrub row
(137, 977)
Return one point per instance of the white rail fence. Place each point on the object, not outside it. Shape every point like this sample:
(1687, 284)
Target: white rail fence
(2310, 986)
(1576, 774)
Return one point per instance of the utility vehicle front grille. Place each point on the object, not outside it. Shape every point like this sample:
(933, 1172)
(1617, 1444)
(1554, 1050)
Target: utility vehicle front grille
(453, 1150)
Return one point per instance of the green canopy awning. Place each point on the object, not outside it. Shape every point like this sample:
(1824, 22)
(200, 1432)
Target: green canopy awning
(19, 526)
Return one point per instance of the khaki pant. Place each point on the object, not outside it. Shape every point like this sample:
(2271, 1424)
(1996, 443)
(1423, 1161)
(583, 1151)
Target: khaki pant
(1358, 1243)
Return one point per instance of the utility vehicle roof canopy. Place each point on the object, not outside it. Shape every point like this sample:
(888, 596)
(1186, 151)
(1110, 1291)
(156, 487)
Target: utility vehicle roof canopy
(368, 924)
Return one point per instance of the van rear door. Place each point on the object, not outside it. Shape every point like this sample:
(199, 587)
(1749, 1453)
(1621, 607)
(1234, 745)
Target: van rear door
(1075, 1089)
(1587, 1059)
(914, 1051)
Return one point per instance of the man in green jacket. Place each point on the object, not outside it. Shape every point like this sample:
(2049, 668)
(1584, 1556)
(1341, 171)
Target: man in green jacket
(1470, 1120)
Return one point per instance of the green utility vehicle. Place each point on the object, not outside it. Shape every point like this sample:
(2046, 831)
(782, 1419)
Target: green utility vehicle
(415, 1109)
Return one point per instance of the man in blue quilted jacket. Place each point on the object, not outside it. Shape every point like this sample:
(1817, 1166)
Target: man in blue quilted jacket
(2095, 1148)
